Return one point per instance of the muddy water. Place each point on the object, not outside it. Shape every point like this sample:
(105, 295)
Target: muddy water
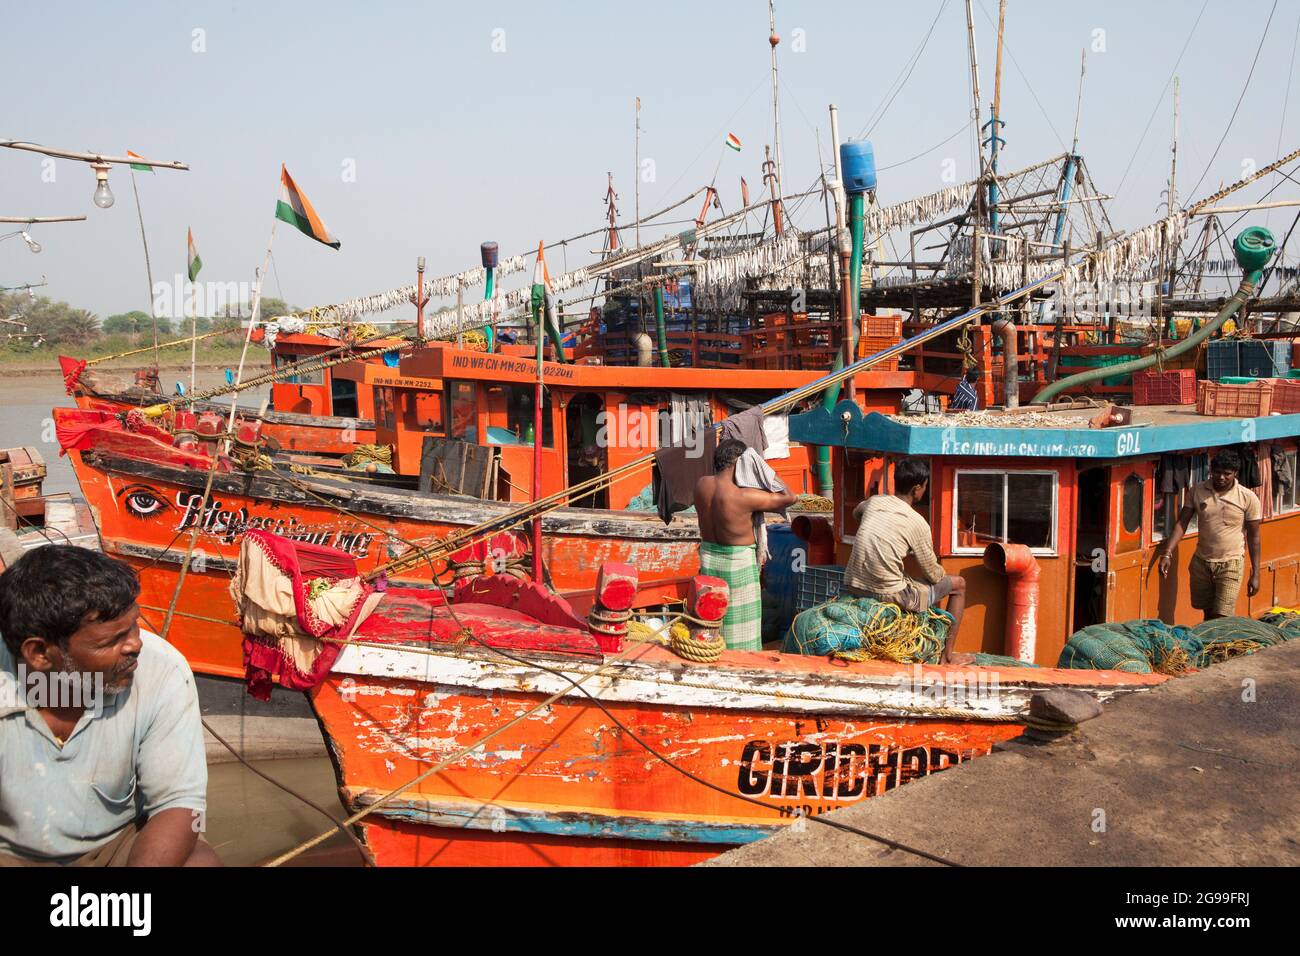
(251, 821)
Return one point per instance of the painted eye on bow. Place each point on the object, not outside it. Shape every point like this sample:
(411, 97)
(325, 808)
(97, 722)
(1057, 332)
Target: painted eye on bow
(142, 501)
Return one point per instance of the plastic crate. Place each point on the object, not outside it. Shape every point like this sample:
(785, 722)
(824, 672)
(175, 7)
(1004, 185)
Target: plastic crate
(1286, 397)
(1267, 358)
(1170, 387)
(869, 345)
(817, 584)
(1234, 401)
(1222, 359)
(882, 327)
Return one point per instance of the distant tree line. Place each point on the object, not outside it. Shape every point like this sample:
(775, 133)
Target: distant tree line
(36, 322)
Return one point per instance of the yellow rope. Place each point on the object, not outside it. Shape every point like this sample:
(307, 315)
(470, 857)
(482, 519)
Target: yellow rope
(695, 649)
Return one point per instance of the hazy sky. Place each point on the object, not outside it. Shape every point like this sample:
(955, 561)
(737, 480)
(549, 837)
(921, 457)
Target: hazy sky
(470, 121)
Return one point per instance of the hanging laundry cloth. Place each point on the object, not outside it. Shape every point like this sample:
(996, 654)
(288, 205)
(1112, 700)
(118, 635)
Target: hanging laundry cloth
(1248, 474)
(1173, 474)
(746, 427)
(677, 469)
(776, 429)
(753, 472)
(1283, 478)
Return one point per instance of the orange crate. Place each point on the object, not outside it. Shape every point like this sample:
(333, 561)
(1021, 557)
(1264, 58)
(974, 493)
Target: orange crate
(871, 345)
(882, 327)
(1286, 396)
(1234, 401)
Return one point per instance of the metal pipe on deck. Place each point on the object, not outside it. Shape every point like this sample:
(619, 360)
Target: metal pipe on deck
(1017, 562)
(1253, 248)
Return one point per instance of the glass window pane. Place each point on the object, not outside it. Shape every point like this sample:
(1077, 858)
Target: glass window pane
(979, 509)
(1032, 511)
(1131, 506)
(464, 412)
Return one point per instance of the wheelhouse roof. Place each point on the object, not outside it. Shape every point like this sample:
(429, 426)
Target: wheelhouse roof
(1034, 433)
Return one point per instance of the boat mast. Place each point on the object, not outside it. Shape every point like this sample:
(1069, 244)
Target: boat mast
(636, 179)
(995, 121)
(772, 41)
(976, 281)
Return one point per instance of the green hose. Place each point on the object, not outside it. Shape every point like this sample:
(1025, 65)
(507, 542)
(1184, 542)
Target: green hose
(857, 229)
(489, 333)
(1253, 248)
(660, 328)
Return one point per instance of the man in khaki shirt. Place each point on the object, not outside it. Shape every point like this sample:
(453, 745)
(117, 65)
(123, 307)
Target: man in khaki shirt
(890, 529)
(1227, 522)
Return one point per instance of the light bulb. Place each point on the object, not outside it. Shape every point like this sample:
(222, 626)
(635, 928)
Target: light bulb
(32, 244)
(103, 195)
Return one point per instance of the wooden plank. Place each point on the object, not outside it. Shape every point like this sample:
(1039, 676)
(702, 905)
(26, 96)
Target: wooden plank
(8, 503)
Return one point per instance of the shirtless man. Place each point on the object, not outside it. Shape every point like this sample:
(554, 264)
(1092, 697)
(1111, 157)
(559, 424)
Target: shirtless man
(727, 548)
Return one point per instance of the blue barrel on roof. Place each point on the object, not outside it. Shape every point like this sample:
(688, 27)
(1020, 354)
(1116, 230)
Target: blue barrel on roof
(859, 162)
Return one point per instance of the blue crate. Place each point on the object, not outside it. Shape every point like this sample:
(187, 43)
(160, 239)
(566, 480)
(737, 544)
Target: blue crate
(1268, 358)
(817, 584)
(1222, 359)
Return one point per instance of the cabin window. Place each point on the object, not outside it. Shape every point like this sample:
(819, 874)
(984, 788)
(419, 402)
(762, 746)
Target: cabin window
(385, 409)
(314, 376)
(519, 412)
(464, 411)
(1284, 497)
(1016, 507)
(343, 397)
(1131, 505)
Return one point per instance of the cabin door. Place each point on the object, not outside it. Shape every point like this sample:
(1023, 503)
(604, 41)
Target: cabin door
(585, 455)
(1091, 524)
(1130, 506)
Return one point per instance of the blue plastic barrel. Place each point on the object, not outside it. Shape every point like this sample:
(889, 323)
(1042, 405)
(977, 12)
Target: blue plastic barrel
(859, 162)
(779, 581)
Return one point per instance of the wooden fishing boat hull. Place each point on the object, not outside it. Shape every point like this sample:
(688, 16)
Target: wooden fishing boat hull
(146, 502)
(768, 739)
(315, 434)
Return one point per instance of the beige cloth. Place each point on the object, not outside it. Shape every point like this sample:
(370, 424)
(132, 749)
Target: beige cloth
(264, 596)
(888, 532)
(1221, 519)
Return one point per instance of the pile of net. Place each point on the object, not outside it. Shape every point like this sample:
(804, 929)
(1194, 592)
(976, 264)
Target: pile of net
(858, 628)
(1154, 647)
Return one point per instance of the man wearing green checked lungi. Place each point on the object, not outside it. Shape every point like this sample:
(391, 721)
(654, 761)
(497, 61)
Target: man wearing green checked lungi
(727, 546)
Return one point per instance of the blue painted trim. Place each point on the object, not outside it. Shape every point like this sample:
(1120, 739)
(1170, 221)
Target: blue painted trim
(588, 826)
(876, 432)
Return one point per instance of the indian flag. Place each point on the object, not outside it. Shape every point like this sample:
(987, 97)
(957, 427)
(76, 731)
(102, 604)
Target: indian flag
(139, 167)
(541, 278)
(541, 275)
(195, 262)
(733, 141)
(294, 209)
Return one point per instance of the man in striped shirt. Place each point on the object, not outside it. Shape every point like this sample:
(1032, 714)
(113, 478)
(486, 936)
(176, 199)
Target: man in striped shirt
(890, 529)
(965, 399)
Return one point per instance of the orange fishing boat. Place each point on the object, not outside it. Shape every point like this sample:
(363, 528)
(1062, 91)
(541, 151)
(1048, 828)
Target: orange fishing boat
(503, 729)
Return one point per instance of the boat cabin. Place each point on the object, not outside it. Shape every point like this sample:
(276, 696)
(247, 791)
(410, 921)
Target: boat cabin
(1091, 504)
(322, 392)
(478, 408)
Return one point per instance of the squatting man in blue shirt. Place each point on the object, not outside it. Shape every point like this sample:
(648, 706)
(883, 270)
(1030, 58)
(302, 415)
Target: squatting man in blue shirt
(101, 747)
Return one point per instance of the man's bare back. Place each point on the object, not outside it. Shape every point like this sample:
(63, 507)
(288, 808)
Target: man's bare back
(726, 511)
